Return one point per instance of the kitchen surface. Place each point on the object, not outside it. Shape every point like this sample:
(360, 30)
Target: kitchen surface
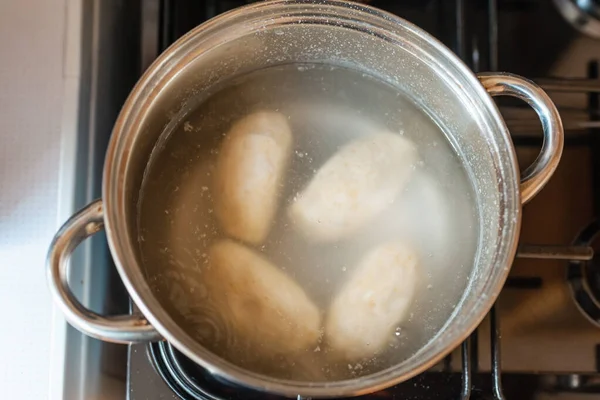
(39, 92)
(542, 338)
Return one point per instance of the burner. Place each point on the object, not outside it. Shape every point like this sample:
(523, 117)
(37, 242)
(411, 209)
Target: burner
(189, 381)
(584, 276)
(582, 14)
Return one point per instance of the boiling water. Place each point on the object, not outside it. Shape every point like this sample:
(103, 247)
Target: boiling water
(326, 107)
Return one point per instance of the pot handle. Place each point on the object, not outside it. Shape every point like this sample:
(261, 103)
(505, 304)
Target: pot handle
(118, 329)
(537, 174)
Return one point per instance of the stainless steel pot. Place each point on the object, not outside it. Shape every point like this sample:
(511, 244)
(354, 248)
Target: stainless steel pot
(337, 32)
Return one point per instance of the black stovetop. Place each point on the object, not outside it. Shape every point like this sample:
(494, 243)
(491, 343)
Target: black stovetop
(521, 36)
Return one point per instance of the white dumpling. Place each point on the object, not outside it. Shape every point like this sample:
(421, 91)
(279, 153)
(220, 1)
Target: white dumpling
(263, 307)
(249, 170)
(355, 185)
(371, 304)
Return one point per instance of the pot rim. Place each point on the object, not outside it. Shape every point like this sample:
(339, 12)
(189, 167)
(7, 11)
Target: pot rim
(120, 244)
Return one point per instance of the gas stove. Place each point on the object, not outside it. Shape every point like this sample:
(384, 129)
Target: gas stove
(542, 338)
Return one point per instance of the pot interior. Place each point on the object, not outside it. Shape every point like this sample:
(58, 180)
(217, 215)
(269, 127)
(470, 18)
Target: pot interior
(351, 37)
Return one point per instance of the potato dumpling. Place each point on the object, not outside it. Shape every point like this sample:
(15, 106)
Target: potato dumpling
(371, 304)
(250, 166)
(353, 186)
(263, 307)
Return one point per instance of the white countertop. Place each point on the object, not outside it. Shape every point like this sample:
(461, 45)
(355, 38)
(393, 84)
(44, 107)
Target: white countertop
(39, 84)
